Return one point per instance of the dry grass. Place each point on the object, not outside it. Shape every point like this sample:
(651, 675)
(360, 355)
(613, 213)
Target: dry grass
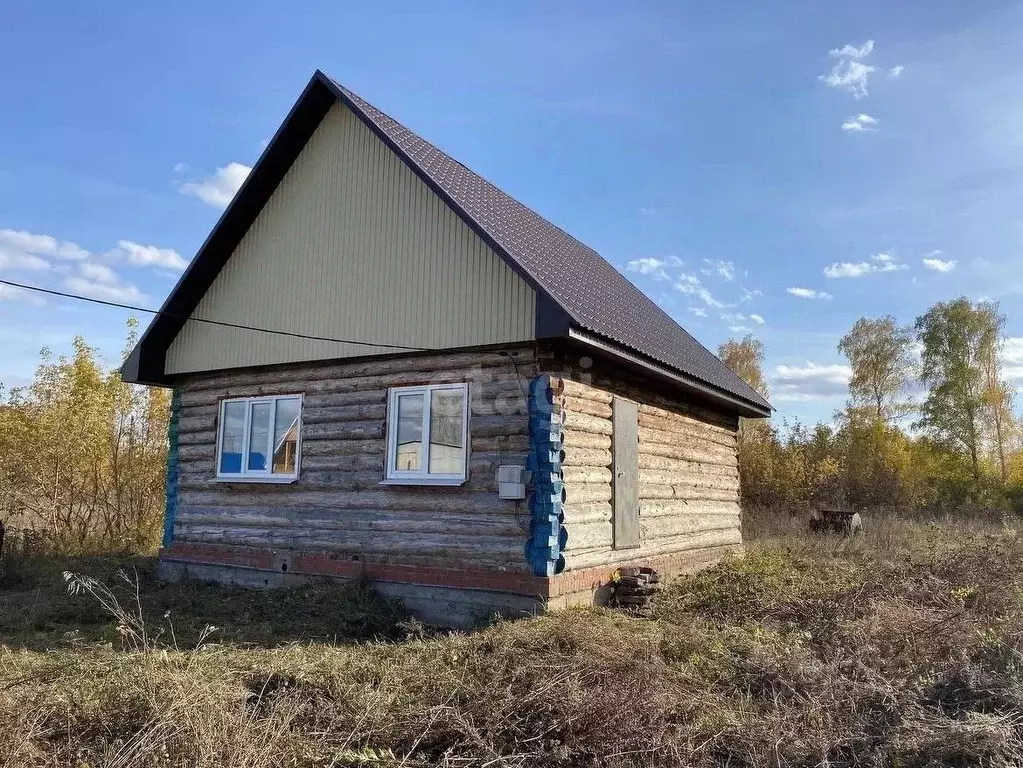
(902, 648)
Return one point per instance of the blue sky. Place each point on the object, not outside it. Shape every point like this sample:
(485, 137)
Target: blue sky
(779, 168)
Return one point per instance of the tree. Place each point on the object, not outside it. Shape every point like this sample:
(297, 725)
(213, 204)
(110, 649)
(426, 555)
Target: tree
(746, 359)
(997, 393)
(880, 354)
(957, 339)
(83, 456)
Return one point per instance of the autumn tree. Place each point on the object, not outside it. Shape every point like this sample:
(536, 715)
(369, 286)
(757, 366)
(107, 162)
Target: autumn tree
(83, 456)
(758, 443)
(957, 338)
(746, 359)
(881, 357)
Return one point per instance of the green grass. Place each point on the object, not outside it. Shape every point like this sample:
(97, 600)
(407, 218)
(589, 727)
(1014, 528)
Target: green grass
(901, 648)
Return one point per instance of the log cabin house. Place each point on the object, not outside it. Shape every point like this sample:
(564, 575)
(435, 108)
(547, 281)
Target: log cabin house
(384, 367)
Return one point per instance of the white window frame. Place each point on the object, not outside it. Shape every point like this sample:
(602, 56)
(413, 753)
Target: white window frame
(394, 476)
(258, 475)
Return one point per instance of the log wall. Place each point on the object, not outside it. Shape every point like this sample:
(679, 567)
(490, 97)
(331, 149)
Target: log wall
(338, 505)
(688, 468)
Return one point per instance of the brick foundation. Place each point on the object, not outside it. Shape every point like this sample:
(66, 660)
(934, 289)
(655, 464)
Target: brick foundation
(477, 589)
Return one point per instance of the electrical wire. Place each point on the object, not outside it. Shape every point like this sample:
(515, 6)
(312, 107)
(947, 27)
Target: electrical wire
(160, 313)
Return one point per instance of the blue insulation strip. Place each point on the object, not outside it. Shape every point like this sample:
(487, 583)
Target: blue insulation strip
(173, 469)
(547, 534)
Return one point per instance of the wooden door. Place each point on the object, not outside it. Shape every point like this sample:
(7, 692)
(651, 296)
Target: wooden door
(625, 474)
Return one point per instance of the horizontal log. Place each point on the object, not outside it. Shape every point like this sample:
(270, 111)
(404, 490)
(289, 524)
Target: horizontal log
(688, 452)
(648, 461)
(468, 549)
(688, 493)
(320, 387)
(500, 444)
(597, 533)
(419, 499)
(482, 479)
(581, 422)
(424, 363)
(688, 427)
(688, 479)
(344, 413)
(681, 507)
(573, 475)
(343, 462)
(677, 544)
(321, 523)
(586, 512)
(618, 380)
(590, 407)
(348, 430)
(584, 493)
(587, 457)
(681, 525)
(575, 439)
(580, 390)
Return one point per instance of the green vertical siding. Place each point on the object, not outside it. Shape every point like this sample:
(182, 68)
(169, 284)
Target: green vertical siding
(353, 245)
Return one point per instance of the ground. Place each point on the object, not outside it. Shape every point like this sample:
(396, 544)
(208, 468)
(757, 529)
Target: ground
(902, 648)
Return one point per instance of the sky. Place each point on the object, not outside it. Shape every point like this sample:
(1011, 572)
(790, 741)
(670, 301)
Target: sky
(778, 169)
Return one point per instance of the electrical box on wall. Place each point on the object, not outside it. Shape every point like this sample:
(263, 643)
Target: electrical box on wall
(511, 481)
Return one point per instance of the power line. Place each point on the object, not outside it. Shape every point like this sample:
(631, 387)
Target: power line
(160, 313)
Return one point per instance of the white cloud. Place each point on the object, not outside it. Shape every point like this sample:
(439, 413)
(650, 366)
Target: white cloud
(18, 260)
(116, 292)
(10, 293)
(880, 262)
(698, 311)
(739, 328)
(648, 265)
(217, 190)
(896, 71)
(1012, 358)
(691, 286)
(147, 255)
(39, 245)
(723, 269)
(748, 295)
(938, 265)
(757, 319)
(861, 123)
(849, 72)
(97, 272)
(801, 383)
(809, 293)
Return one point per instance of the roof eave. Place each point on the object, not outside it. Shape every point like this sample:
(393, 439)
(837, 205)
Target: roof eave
(727, 400)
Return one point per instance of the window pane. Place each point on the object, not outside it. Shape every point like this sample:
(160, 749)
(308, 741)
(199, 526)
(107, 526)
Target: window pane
(259, 435)
(410, 433)
(286, 437)
(447, 436)
(233, 436)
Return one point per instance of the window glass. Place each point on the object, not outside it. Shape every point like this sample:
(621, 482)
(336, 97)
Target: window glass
(232, 437)
(410, 433)
(286, 436)
(447, 434)
(259, 436)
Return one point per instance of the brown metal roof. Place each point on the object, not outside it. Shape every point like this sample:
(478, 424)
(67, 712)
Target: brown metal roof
(596, 296)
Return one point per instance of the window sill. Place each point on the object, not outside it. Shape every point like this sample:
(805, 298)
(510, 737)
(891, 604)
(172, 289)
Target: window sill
(447, 481)
(263, 480)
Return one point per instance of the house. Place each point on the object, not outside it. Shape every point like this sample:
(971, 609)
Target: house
(373, 336)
